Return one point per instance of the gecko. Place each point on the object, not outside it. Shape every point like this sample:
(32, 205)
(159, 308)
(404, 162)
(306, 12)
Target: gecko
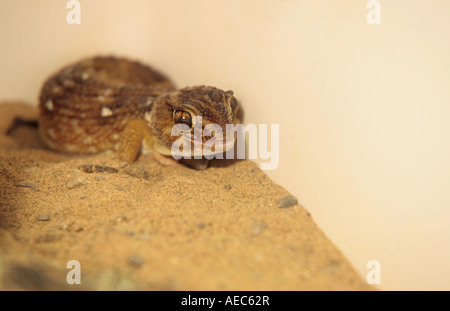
(112, 103)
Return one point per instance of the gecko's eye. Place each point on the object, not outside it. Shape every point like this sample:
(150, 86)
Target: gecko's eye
(184, 117)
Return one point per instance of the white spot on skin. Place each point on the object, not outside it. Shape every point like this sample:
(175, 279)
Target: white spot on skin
(84, 76)
(106, 112)
(101, 98)
(107, 92)
(147, 116)
(87, 140)
(56, 89)
(49, 105)
(92, 150)
(115, 136)
(68, 83)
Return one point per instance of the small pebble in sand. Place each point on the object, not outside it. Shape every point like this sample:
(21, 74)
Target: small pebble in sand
(135, 261)
(137, 171)
(44, 217)
(287, 201)
(63, 227)
(201, 225)
(91, 168)
(75, 181)
(26, 184)
(227, 187)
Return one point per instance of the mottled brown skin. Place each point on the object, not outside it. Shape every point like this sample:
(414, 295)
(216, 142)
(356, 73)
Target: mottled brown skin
(106, 103)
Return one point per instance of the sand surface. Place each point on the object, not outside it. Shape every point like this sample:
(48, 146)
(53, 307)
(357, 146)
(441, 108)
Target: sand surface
(150, 226)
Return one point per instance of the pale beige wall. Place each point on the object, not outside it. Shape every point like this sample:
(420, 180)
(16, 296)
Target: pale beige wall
(363, 109)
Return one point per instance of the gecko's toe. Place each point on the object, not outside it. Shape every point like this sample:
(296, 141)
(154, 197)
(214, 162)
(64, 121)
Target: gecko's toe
(122, 164)
(164, 160)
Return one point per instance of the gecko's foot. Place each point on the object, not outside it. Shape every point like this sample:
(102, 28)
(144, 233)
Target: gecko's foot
(198, 164)
(164, 160)
(122, 164)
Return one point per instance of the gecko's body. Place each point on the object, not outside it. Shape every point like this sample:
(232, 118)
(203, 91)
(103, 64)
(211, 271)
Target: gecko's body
(112, 103)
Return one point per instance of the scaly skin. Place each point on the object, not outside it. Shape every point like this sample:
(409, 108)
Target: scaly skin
(106, 103)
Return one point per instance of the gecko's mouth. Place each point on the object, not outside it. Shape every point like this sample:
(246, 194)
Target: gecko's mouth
(209, 147)
(219, 146)
(214, 145)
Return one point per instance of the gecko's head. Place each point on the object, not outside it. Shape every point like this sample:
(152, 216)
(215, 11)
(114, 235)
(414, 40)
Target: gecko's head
(201, 113)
